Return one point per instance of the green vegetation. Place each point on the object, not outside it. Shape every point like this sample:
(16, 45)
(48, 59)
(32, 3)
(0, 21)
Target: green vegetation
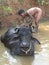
(20, 1)
(1, 1)
(7, 8)
(42, 2)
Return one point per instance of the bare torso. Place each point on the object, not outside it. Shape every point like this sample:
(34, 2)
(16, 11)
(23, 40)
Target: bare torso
(33, 11)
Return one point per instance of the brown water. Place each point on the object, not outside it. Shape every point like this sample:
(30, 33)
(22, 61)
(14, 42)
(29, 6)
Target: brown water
(41, 52)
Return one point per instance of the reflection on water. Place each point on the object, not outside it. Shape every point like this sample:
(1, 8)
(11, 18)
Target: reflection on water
(41, 52)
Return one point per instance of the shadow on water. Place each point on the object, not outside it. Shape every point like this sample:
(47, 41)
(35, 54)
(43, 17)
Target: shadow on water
(41, 52)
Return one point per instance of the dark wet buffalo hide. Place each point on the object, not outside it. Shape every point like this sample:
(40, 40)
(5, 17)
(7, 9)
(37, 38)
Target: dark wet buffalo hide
(20, 41)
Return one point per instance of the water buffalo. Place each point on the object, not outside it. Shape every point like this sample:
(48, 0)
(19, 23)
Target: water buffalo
(20, 41)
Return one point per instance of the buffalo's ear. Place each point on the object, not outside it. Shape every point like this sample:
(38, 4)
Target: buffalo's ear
(36, 40)
(2, 38)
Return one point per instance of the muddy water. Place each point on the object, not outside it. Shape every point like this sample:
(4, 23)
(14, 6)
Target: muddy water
(41, 52)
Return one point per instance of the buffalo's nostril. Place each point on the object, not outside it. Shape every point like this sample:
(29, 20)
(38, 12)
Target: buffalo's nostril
(24, 43)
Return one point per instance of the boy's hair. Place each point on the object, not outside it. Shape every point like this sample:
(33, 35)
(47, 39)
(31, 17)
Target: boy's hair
(21, 11)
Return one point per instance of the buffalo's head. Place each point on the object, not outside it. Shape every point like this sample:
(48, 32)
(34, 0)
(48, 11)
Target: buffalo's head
(20, 41)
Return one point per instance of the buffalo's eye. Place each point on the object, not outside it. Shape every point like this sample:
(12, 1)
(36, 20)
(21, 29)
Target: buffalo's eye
(15, 38)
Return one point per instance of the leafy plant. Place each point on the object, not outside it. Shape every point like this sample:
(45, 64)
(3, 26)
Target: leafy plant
(8, 9)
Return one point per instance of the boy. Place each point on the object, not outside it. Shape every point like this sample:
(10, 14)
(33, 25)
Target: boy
(34, 12)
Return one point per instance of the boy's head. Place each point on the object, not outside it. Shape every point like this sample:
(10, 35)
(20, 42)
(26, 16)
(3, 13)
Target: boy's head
(21, 11)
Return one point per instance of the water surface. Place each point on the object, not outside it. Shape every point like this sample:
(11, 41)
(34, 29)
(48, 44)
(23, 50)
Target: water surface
(41, 52)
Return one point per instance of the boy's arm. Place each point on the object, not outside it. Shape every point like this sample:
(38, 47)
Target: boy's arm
(20, 20)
